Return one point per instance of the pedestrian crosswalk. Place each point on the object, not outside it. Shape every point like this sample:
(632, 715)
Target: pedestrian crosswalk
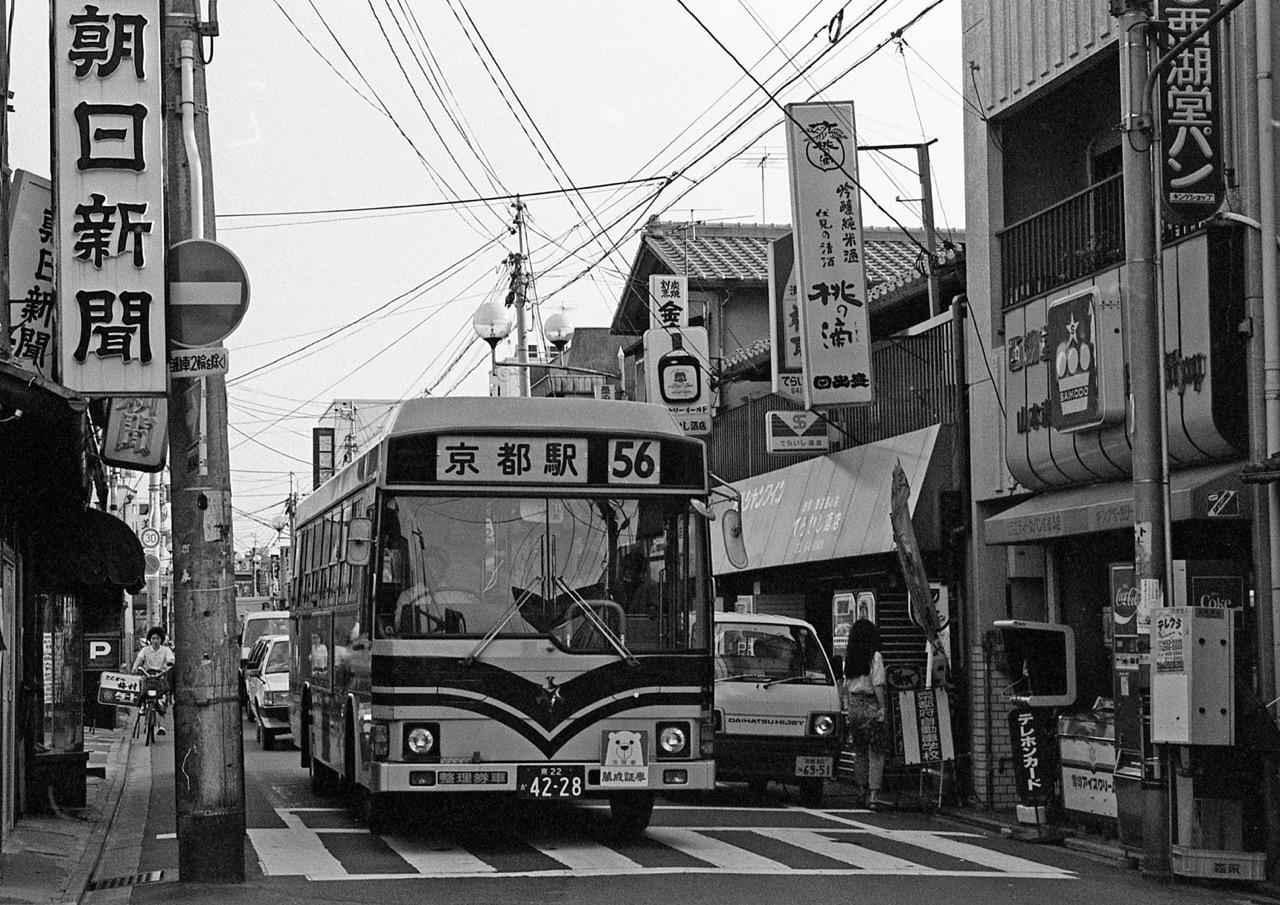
(317, 843)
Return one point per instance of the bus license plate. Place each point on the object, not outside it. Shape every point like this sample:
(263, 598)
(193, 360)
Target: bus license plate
(550, 780)
(814, 766)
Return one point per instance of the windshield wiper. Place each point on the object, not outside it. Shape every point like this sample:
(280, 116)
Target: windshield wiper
(600, 625)
(744, 677)
(502, 623)
(785, 679)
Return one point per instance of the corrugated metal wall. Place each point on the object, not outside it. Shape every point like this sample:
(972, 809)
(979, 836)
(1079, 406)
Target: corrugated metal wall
(1020, 45)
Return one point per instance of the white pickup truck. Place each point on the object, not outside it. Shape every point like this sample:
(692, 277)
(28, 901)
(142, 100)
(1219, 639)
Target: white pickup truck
(777, 701)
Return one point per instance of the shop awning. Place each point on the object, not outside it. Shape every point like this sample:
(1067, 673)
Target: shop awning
(91, 548)
(833, 506)
(1207, 492)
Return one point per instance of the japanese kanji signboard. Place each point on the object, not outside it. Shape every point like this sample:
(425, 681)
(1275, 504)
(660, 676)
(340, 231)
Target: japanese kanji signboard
(137, 432)
(669, 300)
(831, 280)
(31, 274)
(784, 320)
(504, 460)
(676, 375)
(109, 196)
(1190, 117)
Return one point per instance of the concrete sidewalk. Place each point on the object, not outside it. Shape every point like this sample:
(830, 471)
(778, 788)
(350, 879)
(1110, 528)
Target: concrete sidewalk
(50, 858)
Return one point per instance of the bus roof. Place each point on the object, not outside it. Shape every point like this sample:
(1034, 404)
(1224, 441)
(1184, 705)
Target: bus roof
(478, 414)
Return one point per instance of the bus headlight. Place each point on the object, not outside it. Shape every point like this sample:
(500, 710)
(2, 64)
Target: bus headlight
(823, 724)
(673, 740)
(421, 740)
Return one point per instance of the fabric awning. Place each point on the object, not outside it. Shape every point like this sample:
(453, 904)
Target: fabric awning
(1207, 492)
(830, 507)
(91, 548)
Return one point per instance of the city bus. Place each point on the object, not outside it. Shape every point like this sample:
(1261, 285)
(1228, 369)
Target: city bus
(508, 595)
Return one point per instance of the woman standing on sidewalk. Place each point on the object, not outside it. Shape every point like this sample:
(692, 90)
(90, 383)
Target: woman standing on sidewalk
(864, 691)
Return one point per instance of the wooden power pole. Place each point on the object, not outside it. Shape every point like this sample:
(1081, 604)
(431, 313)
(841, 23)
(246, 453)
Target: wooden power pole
(207, 744)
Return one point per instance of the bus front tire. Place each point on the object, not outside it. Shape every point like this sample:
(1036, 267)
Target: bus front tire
(378, 811)
(324, 781)
(630, 813)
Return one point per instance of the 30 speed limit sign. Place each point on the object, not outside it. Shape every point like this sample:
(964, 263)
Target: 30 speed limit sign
(150, 538)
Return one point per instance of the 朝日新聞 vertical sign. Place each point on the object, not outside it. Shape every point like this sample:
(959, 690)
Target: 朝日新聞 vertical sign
(109, 196)
(31, 274)
(1192, 184)
(831, 281)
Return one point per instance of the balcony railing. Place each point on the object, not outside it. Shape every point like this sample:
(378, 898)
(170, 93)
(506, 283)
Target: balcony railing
(914, 382)
(1067, 242)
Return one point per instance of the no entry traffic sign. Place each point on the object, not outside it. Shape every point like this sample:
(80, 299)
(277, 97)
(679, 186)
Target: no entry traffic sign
(208, 293)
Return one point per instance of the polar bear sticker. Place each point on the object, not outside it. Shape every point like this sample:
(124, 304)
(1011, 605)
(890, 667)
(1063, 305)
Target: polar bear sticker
(624, 748)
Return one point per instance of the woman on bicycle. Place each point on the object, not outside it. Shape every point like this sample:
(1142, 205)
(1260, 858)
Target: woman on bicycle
(155, 659)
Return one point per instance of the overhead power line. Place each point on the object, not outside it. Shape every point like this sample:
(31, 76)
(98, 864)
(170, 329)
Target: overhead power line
(429, 204)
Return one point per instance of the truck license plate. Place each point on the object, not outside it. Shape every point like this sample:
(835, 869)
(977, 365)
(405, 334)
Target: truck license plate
(550, 780)
(815, 766)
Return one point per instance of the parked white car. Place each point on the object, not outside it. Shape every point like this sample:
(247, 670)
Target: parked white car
(778, 710)
(267, 682)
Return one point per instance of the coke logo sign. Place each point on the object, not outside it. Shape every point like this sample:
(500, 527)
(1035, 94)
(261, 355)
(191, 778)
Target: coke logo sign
(1126, 604)
(1215, 601)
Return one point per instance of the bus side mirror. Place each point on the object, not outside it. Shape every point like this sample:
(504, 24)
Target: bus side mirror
(359, 541)
(735, 545)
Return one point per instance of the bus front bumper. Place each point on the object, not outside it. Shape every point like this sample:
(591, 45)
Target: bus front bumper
(597, 781)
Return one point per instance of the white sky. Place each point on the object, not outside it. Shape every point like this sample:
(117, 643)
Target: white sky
(618, 90)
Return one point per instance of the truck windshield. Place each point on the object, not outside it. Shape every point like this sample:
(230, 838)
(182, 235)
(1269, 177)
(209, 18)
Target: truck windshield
(764, 652)
(576, 570)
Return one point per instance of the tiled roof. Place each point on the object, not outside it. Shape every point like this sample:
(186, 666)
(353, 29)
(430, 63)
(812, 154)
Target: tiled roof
(722, 253)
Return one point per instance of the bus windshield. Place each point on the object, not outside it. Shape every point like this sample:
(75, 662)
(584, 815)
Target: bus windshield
(593, 574)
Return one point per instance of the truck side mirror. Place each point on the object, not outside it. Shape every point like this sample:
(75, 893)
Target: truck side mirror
(359, 541)
(735, 545)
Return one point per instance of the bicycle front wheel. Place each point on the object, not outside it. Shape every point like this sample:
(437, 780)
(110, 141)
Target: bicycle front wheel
(151, 725)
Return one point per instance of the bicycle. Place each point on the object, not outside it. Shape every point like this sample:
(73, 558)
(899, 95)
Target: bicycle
(154, 688)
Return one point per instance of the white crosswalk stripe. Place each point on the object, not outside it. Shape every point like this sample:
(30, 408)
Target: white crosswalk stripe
(301, 850)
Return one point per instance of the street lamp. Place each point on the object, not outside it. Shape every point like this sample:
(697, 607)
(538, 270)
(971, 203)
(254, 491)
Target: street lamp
(558, 330)
(492, 323)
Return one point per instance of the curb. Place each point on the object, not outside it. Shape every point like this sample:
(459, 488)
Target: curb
(118, 768)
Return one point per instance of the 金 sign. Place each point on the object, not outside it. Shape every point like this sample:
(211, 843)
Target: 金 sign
(831, 280)
(1190, 118)
(109, 196)
(31, 274)
(669, 300)
(511, 460)
(137, 431)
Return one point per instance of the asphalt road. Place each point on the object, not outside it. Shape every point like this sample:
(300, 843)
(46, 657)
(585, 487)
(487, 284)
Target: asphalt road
(725, 847)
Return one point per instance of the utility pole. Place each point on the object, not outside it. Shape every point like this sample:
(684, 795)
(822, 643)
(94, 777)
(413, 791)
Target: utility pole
(1143, 333)
(4, 180)
(930, 238)
(517, 297)
(207, 740)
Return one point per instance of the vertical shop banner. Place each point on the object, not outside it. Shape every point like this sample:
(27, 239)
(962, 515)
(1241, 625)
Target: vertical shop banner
(108, 139)
(669, 301)
(1192, 183)
(1034, 759)
(830, 261)
(32, 299)
(784, 320)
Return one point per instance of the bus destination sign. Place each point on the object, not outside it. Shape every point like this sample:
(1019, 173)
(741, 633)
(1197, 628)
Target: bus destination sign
(512, 460)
